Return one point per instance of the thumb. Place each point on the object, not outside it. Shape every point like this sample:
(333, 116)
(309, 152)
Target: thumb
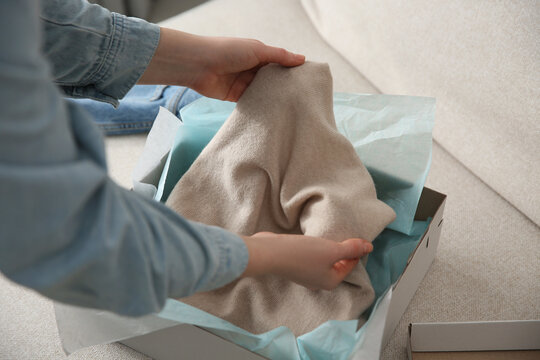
(344, 267)
(281, 56)
(353, 249)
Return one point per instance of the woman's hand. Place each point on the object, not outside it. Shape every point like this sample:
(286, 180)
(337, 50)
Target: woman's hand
(313, 262)
(216, 67)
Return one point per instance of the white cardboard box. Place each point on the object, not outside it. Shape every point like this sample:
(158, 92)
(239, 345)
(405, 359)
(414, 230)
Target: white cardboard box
(480, 340)
(191, 342)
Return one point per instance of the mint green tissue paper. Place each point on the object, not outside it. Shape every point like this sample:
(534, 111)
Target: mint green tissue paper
(391, 134)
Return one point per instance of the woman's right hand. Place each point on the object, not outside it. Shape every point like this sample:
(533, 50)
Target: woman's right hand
(315, 263)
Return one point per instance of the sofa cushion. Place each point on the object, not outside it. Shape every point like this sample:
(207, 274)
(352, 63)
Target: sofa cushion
(282, 23)
(480, 59)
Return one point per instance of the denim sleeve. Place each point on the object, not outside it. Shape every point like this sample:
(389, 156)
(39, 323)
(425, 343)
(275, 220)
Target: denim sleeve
(66, 229)
(94, 53)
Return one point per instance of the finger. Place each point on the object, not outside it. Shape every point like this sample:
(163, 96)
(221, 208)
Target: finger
(271, 54)
(353, 248)
(344, 267)
(239, 85)
(264, 233)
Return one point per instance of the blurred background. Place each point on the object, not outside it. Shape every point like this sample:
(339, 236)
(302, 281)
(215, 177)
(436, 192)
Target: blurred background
(151, 10)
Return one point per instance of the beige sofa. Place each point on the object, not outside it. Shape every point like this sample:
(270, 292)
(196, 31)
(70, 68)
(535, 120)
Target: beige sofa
(481, 60)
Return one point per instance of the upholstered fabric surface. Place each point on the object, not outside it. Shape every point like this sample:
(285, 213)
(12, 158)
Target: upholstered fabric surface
(480, 59)
(281, 23)
(486, 266)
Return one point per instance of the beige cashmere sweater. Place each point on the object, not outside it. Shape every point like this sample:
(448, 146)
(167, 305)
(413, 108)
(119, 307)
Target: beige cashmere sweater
(279, 164)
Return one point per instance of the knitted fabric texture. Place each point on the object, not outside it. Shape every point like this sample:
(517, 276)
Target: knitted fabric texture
(279, 164)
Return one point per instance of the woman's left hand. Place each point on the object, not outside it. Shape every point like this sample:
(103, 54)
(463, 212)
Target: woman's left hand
(216, 67)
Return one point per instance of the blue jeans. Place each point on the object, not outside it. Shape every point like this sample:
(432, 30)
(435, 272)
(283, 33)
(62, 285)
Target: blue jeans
(138, 109)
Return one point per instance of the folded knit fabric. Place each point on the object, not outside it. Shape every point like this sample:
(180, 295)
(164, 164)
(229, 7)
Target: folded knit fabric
(279, 164)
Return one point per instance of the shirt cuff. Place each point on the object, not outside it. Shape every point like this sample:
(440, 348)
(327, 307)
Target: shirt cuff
(132, 45)
(229, 260)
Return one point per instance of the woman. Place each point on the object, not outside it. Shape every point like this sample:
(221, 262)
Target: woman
(67, 230)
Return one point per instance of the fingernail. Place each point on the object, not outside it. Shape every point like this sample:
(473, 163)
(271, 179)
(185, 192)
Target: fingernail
(367, 247)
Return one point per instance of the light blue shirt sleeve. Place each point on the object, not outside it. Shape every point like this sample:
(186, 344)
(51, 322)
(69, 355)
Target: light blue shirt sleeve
(66, 229)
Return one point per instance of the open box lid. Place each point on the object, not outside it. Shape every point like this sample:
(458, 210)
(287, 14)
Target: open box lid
(475, 340)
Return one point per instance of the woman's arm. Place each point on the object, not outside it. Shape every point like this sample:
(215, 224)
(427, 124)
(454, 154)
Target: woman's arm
(92, 52)
(69, 232)
(66, 229)
(98, 54)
